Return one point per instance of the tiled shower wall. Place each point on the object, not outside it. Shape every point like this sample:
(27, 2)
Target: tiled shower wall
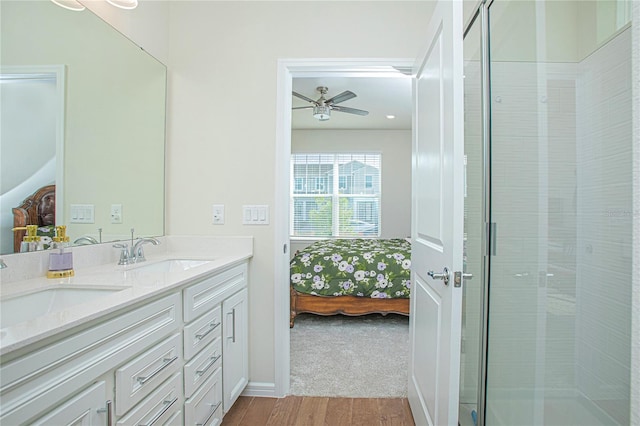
(533, 170)
(603, 314)
(561, 286)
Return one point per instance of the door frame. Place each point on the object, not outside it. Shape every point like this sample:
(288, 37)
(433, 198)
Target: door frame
(57, 72)
(287, 70)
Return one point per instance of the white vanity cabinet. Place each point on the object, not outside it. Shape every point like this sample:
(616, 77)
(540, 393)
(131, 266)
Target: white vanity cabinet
(214, 314)
(176, 360)
(44, 378)
(235, 350)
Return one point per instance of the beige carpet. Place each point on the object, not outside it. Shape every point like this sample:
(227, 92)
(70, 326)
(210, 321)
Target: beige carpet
(358, 357)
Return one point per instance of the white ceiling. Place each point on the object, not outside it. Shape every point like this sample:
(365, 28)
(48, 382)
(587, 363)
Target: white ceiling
(380, 96)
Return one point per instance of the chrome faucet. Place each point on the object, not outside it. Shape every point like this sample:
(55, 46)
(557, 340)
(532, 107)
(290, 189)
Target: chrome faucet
(137, 254)
(125, 257)
(86, 239)
(2, 264)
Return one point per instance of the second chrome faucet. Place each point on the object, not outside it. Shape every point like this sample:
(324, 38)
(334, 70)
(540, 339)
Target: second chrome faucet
(136, 254)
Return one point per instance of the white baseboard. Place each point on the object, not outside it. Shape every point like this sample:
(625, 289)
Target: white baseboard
(260, 389)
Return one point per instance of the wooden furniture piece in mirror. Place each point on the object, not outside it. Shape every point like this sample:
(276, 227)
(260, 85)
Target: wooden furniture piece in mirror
(37, 209)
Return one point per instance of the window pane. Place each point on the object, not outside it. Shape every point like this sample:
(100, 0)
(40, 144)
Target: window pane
(312, 173)
(359, 217)
(312, 216)
(359, 173)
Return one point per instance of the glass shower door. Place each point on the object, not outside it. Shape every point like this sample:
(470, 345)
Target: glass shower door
(473, 226)
(561, 182)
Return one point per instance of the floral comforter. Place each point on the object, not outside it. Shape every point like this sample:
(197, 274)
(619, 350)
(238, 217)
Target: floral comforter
(361, 267)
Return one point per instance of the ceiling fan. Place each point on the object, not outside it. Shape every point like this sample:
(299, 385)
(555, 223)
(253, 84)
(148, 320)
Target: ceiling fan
(322, 107)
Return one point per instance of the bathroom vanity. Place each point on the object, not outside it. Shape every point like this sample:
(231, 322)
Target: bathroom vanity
(162, 342)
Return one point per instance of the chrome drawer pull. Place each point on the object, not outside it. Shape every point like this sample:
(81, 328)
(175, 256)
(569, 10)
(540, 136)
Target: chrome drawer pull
(233, 325)
(213, 361)
(212, 413)
(166, 361)
(155, 418)
(109, 412)
(212, 327)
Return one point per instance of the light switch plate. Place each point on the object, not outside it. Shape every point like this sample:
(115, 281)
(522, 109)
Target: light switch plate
(218, 214)
(82, 213)
(255, 215)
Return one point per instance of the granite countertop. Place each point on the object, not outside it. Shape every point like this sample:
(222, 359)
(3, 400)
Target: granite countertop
(133, 283)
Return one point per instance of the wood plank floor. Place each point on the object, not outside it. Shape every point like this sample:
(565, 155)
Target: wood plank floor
(321, 411)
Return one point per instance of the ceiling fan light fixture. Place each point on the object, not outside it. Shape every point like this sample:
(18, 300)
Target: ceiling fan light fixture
(124, 4)
(69, 5)
(322, 112)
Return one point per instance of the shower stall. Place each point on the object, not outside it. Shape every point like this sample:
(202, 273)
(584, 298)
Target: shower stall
(548, 214)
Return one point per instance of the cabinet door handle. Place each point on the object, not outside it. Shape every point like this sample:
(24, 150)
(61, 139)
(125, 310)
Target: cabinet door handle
(233, 325)
(213, 361)
(109, 412)
(212, 413)
(212, 327)
(167, 405)
(165, 363)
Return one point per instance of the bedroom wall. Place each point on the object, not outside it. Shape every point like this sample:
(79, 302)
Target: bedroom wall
(395, 147)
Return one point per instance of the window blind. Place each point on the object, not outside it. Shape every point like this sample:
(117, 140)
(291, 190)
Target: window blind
(335, 195)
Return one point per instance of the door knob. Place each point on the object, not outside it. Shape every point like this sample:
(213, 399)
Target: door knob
(444, 276)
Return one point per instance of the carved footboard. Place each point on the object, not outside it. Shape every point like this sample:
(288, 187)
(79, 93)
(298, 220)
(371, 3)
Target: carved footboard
(346, 305)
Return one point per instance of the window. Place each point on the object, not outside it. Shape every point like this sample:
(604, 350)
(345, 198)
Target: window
(335, 195)
(368, 182)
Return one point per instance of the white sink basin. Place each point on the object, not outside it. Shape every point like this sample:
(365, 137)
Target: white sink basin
(17, 309)
(172, 265)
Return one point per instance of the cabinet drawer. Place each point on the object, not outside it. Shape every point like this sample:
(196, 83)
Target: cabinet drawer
(202, 366)
(87, 408)
(137, 378)
(205, 406)
(160, 407)
(201, 332)
(205, 295)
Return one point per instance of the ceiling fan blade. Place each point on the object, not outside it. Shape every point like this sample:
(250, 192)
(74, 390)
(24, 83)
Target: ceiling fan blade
(350, 110)
(307, 107)
(344, 96)
(303, 97)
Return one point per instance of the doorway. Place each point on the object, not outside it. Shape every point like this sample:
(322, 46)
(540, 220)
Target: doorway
(287, 71)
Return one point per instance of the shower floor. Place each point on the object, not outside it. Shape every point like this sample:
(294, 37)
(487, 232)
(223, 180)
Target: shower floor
(557, 412)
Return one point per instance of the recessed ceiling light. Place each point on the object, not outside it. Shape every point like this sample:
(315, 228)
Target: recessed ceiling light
(391, 117)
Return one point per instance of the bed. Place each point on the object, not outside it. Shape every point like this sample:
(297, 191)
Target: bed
(37, 209)
(351, 277)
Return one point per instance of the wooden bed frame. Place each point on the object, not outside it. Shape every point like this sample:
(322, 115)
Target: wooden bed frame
(37, 209)
(347, 305)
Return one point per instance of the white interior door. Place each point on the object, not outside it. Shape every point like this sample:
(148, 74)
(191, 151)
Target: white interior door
(437, 220)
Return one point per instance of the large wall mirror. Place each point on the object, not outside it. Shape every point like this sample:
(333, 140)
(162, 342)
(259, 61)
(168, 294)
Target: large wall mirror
(83, 108)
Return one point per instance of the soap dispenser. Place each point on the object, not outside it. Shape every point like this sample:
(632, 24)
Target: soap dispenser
(61, 263)
(31, 241)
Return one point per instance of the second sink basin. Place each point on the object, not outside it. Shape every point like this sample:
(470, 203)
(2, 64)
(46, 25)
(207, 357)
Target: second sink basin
(17, 309)
(172, 265)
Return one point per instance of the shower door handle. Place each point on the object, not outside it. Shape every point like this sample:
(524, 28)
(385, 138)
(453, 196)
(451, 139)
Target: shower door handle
(444, 276)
